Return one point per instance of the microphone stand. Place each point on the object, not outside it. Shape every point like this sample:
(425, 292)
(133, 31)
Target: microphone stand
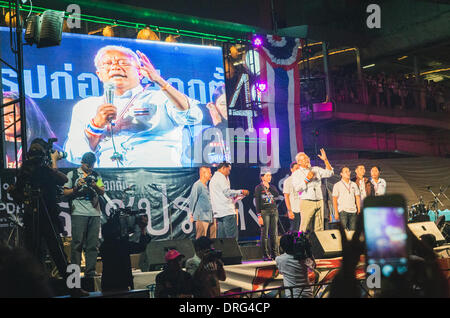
(436, 200)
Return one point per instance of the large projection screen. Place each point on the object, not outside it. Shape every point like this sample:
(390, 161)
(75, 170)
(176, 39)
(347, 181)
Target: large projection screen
(154, 126)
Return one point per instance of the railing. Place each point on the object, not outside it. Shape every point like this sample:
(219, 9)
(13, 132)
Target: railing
(404, 94)
(319, 290)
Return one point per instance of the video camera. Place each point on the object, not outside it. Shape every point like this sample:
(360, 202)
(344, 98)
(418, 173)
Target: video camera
(45, 158)
(121, 223)
(213, 254)
(302, 246)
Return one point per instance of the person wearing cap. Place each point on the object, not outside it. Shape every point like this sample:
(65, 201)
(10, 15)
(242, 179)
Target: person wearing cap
(206, 269)
(83, 188)
(267, 211)
(173, 281)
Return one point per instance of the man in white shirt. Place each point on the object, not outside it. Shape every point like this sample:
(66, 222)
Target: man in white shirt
(292, 199)
(222, 201)
(379, 184)
(346, 200)
(308, 180)
(146, 125)
(363, 183)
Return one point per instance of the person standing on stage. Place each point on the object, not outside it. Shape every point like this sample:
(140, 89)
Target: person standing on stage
(346, 200)
(200, 206)
(222, 201)
(292, 199)
(379, 184)
(363, 183)
(83, 188)
(267, 210)
(308, 180)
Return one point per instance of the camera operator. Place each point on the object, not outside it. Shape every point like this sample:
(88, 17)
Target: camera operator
(37, 187)
(83, 188)
(206, 268)
(294, 263)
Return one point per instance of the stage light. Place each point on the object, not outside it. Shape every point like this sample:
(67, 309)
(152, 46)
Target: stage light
(108, 31)
(147, 34)
(257, 41)
(266, 130)
(45, 30)
(172, 38)
(261, 86)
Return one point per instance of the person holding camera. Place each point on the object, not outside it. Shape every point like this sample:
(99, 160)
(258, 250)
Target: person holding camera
(206, 268)
(293, 264)
(37, 185)
(83, 188)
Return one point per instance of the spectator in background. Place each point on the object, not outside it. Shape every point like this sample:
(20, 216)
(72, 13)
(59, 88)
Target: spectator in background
(173, 282)
(21, 276)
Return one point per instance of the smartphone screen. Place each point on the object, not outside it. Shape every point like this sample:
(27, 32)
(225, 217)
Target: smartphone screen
(386, 239)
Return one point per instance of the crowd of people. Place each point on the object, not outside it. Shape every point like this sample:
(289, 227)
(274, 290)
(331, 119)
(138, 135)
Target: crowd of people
(213, 209)
(383, 90)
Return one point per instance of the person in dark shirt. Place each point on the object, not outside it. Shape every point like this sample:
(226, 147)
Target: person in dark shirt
(267, 211)
(173, 282)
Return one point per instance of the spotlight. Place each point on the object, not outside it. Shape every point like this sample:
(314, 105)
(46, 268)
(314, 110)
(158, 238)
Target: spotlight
(266, 130)
(45, 30)
(147, 34)
(108, 31)
(261, 86)
(257, 41)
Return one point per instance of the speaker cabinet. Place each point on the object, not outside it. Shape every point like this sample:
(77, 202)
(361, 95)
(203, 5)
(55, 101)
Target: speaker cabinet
(421, 228)
(231, 252)
(153, 257)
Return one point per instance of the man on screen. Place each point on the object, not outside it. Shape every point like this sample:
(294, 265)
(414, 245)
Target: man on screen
(141, 128)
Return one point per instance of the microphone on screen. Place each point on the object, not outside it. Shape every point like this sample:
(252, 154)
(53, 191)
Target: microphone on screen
(109, 89)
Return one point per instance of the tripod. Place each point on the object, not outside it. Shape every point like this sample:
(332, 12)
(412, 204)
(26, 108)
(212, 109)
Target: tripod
(14, 234)
(39, 225)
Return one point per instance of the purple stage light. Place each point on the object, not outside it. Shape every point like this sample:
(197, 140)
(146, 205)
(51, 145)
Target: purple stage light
(266, 130)
(260, 86)
(257, 41)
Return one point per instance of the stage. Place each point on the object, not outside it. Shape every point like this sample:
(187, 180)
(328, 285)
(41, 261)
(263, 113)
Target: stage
(259, 275)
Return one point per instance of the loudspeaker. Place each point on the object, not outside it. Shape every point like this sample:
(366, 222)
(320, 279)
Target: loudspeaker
(231, 252)
(422, 228)
(326, 244)
(153, 257)
(251, 253)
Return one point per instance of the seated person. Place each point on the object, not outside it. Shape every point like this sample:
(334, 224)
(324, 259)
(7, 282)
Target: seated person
(173, 282)
(206, 267)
